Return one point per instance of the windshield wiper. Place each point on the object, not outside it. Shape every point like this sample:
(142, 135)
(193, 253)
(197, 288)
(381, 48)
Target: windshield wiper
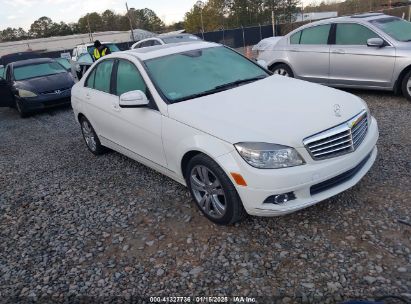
(220, 88)
(240, 81)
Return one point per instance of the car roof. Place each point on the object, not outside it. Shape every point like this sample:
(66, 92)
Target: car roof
(92, 43)
(360, 18)
(31, 61)
(173, 35)
(168, 49)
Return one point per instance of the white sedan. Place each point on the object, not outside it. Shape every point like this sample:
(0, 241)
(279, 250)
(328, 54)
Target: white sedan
(241, 140)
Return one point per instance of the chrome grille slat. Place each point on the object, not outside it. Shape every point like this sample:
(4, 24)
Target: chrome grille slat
(334, 145)
(359, 134)
(342, 139)
(359, 139)
(329, 141)
(335, 150)
(359, 125)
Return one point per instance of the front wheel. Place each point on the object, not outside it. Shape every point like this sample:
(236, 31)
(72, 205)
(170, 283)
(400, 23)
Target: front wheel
(406, 85)
(213, 191)
(282, 70)
(22, 112)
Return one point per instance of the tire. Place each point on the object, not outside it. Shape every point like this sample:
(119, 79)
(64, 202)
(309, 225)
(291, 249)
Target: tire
(282, 69)
(90, 137)
(213, 191)
(22, 112)
(406, 85)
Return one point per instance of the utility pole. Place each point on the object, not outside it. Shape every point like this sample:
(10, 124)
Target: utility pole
(131, 23)
(273, 22)
(90, 34)
(302, 10)
(200, 4)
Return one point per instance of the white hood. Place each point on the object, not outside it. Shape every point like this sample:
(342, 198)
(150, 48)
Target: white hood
(277, 110)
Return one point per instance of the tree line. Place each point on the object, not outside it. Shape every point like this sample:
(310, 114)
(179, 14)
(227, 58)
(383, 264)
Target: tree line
(217, 14)
(209, 15)
(107, 21)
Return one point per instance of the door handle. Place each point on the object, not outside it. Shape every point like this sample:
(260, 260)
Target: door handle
(338, 51)
(294, 50)
(88, 96)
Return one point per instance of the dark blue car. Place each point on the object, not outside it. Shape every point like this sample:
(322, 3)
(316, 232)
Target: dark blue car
(35, 84)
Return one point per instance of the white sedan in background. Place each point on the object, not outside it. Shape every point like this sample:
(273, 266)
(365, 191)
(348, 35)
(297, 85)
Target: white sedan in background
(241, 140)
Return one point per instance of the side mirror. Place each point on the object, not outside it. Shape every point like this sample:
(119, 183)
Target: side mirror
(263, 64)
(133, 99)
(375, 42)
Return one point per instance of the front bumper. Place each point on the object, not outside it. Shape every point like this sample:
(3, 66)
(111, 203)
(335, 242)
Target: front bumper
(262, 184)
(45, 101)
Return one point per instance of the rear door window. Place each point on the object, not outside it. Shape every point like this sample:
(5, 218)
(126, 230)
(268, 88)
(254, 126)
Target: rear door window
(102, 78)
(316, 35)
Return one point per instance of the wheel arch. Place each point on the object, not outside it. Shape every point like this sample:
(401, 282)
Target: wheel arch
(398, 83)
(278, 62)
(186, 159)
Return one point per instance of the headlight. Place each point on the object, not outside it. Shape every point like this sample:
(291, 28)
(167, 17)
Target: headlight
(25, 93)
(269, 156)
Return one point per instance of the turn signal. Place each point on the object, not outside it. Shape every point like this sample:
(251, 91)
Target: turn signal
(239, 179)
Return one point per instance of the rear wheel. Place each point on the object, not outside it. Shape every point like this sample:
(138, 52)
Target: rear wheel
(91, 138)
(282, 69)
(406, 85)
(213, 191)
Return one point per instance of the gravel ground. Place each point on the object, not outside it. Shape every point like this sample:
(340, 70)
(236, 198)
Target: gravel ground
(72, 224)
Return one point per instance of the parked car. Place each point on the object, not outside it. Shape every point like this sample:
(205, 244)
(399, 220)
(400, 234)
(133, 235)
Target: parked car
(370, 51)
(89, 48)
(35, 84)
(65, 63)
(165, 39)
(241, 140)
(13, 57)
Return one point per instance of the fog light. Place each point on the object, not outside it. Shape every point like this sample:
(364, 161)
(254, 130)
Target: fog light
(280, 199)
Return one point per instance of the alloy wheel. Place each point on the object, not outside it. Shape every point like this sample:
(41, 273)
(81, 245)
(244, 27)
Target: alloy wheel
(409, 86)
(281, 72)
(89, 135)
(208, 191)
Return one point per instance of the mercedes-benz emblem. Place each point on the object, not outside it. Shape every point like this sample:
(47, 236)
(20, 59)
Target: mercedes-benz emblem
(337, 110)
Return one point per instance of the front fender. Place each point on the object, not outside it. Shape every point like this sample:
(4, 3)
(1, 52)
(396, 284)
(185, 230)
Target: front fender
(180, 139)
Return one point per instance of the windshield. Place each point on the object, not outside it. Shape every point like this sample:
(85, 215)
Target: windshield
(397, 28)
(182, 38)
(64, 62)
(112, 47)
(38, 70)
(201, 72)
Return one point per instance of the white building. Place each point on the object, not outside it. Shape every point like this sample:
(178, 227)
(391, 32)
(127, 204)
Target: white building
(315, 16)
(67, 43)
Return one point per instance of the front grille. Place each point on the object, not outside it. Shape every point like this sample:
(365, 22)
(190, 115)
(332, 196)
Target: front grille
(339, 140)
(55, 91)
(338, 180)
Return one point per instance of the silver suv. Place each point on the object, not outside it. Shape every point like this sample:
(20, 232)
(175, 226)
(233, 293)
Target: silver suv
(371, 51)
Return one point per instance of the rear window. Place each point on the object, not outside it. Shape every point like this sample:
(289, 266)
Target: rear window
(38, 70)
(182, 38)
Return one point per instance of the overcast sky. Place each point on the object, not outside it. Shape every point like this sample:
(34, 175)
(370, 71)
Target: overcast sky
(22, 13)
